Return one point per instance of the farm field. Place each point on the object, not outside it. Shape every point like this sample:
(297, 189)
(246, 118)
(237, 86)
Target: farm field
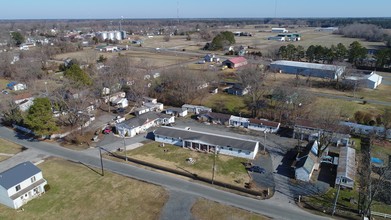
(77, 192)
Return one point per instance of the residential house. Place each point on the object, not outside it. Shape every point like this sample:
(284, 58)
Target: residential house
(346, 169)
(158, 107)
(16, 86)
(178, 112)
(308, 69)
(214, 118)
(114, 96)
(238, 89)
(236, 121)
(20, 184)
(209, 57)
(235, 62)
(149, 99)
(24, 101)
(196, 109)
(142, 123)
(207, 142)
(263, 125)
(141, 110)
(120, 102)
(305, 163)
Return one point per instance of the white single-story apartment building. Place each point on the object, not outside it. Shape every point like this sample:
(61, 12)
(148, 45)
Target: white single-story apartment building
(366, 129)
(308, 69)
(207, 142)
(196, 109)
(346, 169)
(20, 184)
(237, 121)
(142, 123)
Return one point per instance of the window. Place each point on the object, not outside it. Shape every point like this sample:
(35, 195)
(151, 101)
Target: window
(230, 149)
(17, 188)
(33, 179)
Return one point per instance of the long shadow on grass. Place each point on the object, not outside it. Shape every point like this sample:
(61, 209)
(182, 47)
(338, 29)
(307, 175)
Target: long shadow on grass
(101, 174)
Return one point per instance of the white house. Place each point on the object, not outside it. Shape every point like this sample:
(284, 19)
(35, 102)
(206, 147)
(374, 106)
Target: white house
(207, 142)
(120, 102)
(142, 123)
(306, 163)
(346, 169)
(196, 109)
(20, 184)
(176, 112)
(24, 101)
(141, 110)
(17, 86)
(238, 121)
(263, 125)
(370, 81)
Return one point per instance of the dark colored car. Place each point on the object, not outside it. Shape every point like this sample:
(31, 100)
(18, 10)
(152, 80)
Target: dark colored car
(120, 110)
(257, 169)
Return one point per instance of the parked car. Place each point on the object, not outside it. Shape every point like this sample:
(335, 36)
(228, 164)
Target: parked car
(257, 169)
(4, 92)
(120, 110)
(107, 130)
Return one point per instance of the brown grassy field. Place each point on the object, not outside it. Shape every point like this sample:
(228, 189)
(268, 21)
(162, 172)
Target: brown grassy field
(205, 209)
(76, 192)
(7, 147)
(228, 169)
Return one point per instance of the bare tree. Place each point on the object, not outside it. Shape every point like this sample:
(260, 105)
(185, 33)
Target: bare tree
(253, 78)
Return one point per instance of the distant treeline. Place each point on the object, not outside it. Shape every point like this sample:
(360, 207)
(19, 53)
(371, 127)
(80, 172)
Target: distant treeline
(369, 32)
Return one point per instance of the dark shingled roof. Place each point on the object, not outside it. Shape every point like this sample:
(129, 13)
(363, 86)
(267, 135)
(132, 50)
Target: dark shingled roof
(17, 174)
(212, 139)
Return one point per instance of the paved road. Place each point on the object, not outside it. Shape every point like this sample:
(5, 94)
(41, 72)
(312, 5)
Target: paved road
(178, 206)
(270, 208)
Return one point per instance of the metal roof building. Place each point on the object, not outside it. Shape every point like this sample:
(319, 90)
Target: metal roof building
(308, 69)
(346, 170)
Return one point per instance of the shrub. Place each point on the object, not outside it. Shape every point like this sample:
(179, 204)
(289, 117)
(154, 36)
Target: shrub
(359, 117)
(46, 187)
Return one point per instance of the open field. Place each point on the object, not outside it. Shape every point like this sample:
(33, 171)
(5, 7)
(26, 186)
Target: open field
(205, 209)
(77, 192)
(153, 59)
(3, 83)
(7, 147)
(225, 102)
(228, 169)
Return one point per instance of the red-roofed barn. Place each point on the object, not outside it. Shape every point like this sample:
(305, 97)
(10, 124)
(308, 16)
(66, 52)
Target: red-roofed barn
(235, 62)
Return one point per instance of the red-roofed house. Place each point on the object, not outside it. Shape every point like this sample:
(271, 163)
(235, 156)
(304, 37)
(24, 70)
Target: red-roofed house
(235, 62)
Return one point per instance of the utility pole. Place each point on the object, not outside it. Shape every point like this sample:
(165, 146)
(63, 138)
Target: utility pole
(214, 165)
(101, 161)
(126, 157)
(336, 196)
(264, 143)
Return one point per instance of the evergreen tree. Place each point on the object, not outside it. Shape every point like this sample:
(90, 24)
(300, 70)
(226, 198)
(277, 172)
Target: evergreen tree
(40, 117)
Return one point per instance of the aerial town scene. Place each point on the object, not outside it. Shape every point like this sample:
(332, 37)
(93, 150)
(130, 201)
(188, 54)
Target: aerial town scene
(195, 110)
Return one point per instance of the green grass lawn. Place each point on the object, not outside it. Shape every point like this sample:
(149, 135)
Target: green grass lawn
(231, 103)
(3, 83)
(228, 169)
(7, 147)
(206, 209)
(77, 192)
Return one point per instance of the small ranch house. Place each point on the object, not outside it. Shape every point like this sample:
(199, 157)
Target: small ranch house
(263, 125)
(178, 112)
(142, 123)
(196, 109)
(207, 142)
(20, 184)
(214, 118)
(305, 163)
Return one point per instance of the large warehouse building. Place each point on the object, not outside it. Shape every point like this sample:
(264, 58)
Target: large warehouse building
(308, 69)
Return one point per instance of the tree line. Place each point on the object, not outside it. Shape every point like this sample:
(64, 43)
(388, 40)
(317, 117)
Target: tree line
(355, 54)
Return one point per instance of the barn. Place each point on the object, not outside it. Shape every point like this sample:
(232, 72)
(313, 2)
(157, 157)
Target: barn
(235, 62)
(308, 69)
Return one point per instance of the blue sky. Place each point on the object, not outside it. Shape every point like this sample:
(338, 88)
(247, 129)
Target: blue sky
(73, 9)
